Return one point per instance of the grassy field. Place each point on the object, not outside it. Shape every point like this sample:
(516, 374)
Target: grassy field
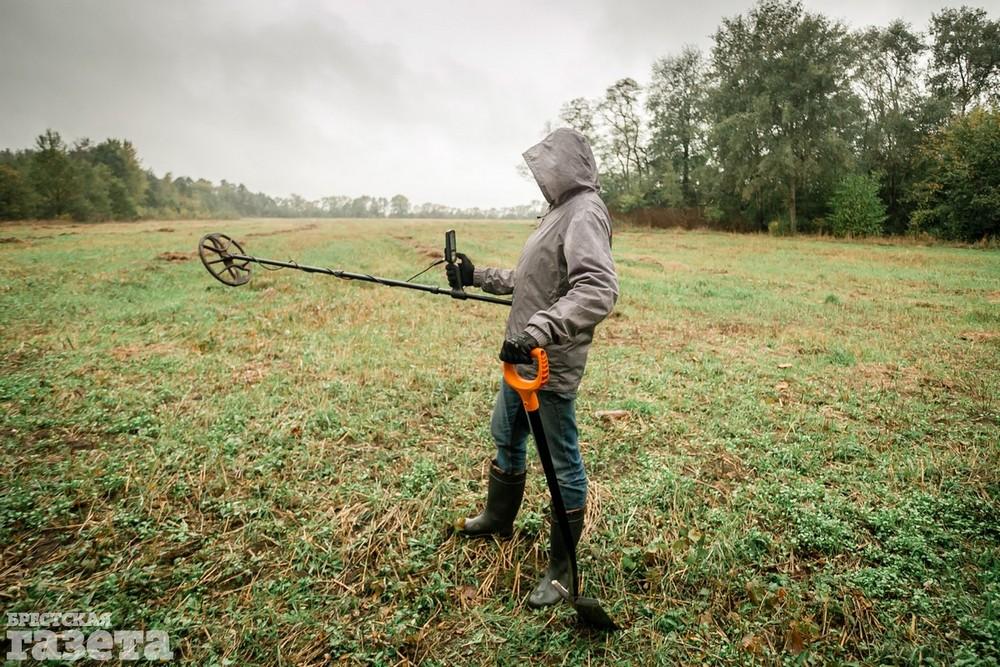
(809, 472)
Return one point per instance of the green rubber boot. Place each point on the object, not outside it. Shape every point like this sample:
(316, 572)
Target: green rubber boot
(503, 500)
(559, 565)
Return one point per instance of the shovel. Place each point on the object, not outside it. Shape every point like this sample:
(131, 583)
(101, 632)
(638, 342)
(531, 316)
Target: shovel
(588, 610)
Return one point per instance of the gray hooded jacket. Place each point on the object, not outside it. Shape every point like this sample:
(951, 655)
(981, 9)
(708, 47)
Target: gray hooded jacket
(565, 281)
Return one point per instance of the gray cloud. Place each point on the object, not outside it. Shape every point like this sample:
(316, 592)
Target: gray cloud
(433, 99)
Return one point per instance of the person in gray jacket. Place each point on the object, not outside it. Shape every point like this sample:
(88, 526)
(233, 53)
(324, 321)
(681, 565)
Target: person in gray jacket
(564, 285)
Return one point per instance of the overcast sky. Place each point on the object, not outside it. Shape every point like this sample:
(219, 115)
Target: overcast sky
(432, 99)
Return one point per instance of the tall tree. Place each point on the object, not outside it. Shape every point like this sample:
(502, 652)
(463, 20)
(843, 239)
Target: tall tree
(97, 185)
(887, 79)
(54, 176)
(965, 62)
(624, 149)
(959, 195)
(783, 106)
(676, 104)
(129, 187)
(399, 206)
(360, 207)
(335, 206)
(579, 113)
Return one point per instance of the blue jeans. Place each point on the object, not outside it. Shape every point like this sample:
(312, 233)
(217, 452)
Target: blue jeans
(510, 430)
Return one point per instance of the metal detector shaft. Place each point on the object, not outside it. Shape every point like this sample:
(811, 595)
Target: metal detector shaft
(226, 260)
(388, 282)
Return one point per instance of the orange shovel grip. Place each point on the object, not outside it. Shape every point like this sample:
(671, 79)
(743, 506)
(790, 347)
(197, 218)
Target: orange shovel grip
(524, 387)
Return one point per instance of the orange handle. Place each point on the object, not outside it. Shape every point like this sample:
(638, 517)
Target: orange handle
(524, 387)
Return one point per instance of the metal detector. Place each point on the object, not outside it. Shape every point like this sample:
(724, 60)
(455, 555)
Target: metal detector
(228, 263)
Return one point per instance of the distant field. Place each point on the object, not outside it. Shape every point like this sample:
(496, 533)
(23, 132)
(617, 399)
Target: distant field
(809, 471)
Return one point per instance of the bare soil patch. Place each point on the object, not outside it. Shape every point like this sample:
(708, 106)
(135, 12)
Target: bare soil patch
(277, 232)
(175, 256)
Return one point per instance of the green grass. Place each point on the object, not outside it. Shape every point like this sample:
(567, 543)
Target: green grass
(808, 473)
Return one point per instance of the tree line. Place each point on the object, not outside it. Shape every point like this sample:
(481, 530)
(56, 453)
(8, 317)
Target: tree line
(794, 122)
(106, 181)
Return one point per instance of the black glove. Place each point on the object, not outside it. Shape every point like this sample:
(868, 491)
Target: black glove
(517, 350)
(463, 270)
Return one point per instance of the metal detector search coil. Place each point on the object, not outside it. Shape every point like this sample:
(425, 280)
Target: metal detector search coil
(228, 263)
(216, 255)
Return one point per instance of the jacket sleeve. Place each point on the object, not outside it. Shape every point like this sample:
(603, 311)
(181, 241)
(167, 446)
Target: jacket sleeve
(494, 281)
(593, 283)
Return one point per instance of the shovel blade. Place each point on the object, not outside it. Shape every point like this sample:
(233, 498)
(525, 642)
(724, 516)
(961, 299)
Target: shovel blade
(592, 613)
(588, 610)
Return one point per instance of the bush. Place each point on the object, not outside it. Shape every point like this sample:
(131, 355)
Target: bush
(779, 227)
(856, 209)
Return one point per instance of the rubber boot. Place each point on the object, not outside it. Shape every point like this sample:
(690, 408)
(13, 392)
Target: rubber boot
(503, 500)
(559, 564)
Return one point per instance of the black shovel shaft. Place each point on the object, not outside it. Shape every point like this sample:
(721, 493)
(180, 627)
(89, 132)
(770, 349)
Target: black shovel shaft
(588, 610)
(558, 506)
(389, 282)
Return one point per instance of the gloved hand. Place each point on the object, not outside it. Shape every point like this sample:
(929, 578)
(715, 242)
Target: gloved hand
(463, 270)
(517, 350)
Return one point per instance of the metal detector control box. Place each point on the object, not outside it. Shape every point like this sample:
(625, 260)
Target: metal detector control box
(450, 255)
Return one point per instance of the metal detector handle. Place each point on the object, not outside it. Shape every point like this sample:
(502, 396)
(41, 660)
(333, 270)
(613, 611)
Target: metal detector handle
(524, 387)
(450, 255)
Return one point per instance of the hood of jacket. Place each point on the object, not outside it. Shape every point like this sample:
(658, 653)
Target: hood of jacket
(562, 163)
